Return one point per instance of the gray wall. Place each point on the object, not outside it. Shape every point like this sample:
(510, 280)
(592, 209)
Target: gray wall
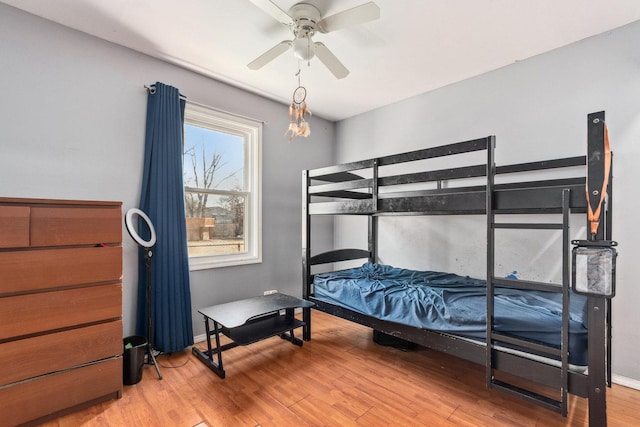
(537, 109)
(72, 124)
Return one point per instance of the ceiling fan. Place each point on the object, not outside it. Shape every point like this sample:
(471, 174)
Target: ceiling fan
(304, 20)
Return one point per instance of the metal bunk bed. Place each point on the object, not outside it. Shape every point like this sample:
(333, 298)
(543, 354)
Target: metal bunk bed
(357, 189)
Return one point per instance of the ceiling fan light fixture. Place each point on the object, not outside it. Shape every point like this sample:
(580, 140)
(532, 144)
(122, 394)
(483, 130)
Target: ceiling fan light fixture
(303, 48)
(304, 20)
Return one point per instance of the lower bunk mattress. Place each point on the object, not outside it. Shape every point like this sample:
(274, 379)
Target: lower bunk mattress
(453, 304)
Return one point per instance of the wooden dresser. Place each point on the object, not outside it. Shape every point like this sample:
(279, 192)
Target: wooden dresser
(60, 306)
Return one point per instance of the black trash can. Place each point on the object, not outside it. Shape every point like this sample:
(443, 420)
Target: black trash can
(135, 348)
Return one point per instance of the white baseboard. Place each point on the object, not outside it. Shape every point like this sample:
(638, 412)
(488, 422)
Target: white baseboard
(625, 381)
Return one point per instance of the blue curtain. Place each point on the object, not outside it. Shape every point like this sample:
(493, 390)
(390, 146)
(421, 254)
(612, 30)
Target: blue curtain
(162, 199)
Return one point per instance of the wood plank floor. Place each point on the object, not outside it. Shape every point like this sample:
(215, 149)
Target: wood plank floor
(339, 378)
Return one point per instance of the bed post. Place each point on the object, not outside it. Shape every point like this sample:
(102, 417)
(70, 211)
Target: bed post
(597, 305)
(373, 239)
(491, 171)
(373, 219)
(306, 255)
(609, 236)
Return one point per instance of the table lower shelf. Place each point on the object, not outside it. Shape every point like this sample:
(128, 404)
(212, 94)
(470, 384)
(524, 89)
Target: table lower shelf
(262, 328)
(253, 331)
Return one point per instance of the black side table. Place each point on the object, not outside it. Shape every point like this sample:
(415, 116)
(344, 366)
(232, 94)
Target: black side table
(248, 321)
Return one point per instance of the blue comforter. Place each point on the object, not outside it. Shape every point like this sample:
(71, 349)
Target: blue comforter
(454, 304)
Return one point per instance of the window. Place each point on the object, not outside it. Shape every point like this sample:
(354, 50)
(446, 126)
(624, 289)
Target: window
(221, 167)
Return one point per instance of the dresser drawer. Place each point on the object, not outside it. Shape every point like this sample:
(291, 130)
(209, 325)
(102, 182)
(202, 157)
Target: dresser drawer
(63, 226)
(50, 394)
(24, 271)
(64, 350)
(46, 311)
(14, 226)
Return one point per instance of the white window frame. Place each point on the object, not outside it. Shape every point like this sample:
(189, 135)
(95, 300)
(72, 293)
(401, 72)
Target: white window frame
(251, 132)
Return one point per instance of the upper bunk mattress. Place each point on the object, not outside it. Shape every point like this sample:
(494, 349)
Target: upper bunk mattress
(454, 304)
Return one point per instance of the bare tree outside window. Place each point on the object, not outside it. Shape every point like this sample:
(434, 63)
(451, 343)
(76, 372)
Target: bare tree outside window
(236, 206)
(215, 200)
(202, 176)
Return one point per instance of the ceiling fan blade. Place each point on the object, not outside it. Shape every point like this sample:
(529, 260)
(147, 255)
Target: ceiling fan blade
(272, 9)
(350, 17)
(330, 61)
(270, 55)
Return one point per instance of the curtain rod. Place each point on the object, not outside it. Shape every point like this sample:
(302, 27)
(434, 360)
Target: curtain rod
(151, 89)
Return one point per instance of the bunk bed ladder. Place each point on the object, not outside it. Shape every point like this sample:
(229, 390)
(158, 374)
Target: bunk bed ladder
(495, 338)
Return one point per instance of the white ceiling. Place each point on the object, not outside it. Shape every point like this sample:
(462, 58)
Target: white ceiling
(416, 45)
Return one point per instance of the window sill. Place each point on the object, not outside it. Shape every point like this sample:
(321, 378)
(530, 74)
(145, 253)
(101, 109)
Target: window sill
(205, 263)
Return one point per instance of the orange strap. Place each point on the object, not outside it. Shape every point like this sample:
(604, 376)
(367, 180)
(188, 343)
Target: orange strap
(594, 216)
